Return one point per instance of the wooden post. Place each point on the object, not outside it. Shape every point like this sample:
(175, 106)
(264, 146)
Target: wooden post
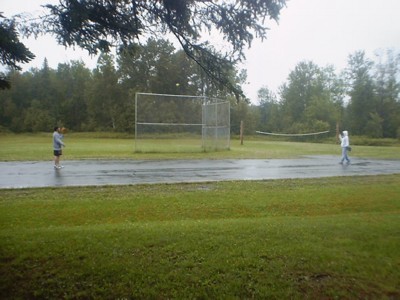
(337, 132)
(241, 132)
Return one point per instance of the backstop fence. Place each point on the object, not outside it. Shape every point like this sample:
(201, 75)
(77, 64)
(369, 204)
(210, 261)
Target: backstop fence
(181, 123)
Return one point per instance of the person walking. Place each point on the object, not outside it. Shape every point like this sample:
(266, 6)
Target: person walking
(57, 147)
(345, 145)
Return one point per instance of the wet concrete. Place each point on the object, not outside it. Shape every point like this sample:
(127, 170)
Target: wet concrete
(119, 172)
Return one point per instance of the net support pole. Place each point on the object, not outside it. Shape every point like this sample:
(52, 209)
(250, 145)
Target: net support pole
(241, 132)
(216, 125)
(136, 96)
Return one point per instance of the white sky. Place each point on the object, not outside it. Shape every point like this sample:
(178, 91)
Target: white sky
(323, 31)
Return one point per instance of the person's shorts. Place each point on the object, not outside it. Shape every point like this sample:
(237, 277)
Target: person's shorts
(57, 152)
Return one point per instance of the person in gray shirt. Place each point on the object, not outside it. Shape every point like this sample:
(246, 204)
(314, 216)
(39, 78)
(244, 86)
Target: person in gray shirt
(57, 147)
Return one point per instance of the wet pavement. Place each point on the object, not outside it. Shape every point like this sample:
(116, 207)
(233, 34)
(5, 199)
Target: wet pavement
(120, 172)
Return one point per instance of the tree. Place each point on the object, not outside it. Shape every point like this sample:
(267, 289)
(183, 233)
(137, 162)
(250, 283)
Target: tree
(104, 97)
(37, 118)
(361, 91)
(325, 106)
(154, 67)
(15, 100)
(187, 74)
(297, 93)
(72, 80)
(98, 25)
(311, 99)
(12, 51)
(157, 67)
(387, 89)
(44, 90)
(241, 111)
(373, 128)
(270, 114)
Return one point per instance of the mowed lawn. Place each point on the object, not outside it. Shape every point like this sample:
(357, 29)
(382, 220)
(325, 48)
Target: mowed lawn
(38, 147)
(329, 238)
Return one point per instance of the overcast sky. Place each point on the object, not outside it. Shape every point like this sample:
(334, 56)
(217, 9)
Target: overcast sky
(323, 31)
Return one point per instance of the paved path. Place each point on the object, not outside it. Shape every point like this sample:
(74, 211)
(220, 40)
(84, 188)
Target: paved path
(114, 172)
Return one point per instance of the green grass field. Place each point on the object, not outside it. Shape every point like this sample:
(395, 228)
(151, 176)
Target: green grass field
(316, 239)
(330, 238)
(113, 146)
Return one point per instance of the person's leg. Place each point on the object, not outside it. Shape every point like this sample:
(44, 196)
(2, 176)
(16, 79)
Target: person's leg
(57, 154)
(346, 156)
(343, 155)
(56, 160)
(59, 158)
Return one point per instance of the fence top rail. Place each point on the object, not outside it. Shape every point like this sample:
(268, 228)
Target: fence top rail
(218, 100)
(169, 124)
(170, 95)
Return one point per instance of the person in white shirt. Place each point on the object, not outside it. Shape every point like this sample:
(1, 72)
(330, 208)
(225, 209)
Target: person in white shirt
(345, 144)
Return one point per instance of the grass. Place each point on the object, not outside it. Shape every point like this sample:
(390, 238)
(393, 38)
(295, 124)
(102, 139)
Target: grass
(38, 147)
(299, 239)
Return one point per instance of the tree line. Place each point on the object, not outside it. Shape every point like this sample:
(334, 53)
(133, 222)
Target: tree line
(101, 99)
(363, 99)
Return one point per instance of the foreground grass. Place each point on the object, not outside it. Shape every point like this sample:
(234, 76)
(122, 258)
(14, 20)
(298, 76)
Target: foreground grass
(108, 146)
(314, 238)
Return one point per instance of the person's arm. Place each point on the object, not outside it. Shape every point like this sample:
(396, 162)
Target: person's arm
(59, 141)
